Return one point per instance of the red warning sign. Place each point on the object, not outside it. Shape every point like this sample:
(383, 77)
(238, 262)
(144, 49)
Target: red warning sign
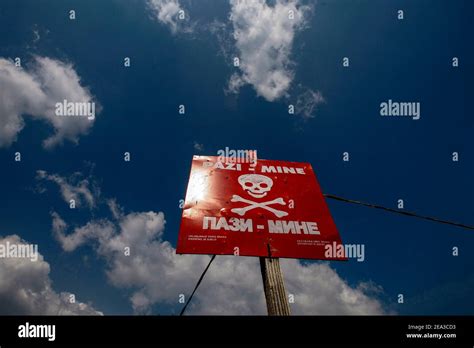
(264, 208)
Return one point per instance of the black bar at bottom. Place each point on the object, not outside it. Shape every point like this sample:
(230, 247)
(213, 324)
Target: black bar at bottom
(222, 330)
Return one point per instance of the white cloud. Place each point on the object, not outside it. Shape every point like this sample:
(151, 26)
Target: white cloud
(25, 288)
(307, 102)
(264, 37)
(318, 289)
(152, 268)
(167, 12)
(233, 285)
(74, 187)
(34, 93)
(115, 208)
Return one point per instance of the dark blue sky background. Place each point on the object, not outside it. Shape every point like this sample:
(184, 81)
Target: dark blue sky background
(390, 158)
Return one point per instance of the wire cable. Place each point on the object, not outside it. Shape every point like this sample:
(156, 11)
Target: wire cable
(402, 212)
(197, 285)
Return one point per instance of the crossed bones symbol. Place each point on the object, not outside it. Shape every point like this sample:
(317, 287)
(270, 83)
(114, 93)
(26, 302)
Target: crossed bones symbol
(253, 205)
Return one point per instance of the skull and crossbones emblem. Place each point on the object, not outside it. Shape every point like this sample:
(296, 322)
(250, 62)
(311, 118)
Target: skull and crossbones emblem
(257, 186)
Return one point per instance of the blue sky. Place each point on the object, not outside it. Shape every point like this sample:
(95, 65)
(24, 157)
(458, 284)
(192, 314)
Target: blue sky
(390, 158)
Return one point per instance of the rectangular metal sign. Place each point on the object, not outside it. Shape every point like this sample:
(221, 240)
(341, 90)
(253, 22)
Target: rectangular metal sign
(265, 208)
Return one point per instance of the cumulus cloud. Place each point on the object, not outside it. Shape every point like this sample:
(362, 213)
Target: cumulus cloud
(233, 285)
(167, 12)
(264, 37)
(318, 289)
(75, 187)
(25, 288)
(152, 268)
(34, 93)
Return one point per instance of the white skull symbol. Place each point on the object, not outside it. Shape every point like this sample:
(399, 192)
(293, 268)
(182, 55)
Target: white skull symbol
(256, 185)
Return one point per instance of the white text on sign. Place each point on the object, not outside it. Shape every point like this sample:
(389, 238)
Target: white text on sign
(264, 168)
(246, 225)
